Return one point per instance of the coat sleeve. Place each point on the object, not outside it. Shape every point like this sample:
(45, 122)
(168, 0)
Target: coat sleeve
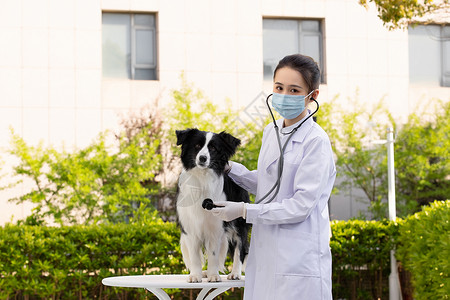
(243, 177)
(313, 182)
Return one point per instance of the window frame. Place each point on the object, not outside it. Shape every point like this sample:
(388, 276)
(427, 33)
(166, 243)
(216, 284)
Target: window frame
(443, 47)
(134, 29)
(302, 34)
(133, 42)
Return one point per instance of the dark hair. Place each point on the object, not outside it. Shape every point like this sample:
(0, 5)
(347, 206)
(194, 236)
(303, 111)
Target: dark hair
(305, 65)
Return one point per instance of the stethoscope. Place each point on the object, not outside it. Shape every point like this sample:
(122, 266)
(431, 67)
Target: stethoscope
(282, 149)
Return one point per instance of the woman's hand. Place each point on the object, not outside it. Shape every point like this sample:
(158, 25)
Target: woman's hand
(229, 210)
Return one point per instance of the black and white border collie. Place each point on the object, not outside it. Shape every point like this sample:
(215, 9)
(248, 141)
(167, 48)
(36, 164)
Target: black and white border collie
(204, 156)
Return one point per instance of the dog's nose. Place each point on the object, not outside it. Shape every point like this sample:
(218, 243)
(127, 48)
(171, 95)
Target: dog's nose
(202, 158)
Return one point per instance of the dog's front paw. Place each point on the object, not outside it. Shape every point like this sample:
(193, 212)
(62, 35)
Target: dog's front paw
(214, 278)
(195, 278)
(233, 276)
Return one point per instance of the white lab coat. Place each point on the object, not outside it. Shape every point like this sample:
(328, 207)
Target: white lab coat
(289, 255)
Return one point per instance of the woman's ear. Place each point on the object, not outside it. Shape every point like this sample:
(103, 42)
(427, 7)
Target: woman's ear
(315, 94)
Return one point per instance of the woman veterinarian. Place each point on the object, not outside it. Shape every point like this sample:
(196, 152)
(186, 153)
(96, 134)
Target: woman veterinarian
(289, 255)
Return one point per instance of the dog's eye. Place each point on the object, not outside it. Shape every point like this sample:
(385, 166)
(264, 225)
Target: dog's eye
(212, 148)
(198, 146)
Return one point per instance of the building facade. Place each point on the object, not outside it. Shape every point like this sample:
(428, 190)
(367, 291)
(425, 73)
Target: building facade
(70, 68)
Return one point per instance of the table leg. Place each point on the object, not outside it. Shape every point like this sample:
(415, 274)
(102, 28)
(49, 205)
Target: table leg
(160, 293)
(216, 292)
(202, 293)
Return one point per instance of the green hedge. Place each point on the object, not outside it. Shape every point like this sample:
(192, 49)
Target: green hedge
(39, 262)
(424, 250)
(361, 264)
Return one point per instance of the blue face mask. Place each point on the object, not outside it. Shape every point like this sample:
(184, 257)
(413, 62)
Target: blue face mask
(289, 106)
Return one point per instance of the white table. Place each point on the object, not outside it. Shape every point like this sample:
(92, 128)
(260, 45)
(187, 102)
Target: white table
(156, 284)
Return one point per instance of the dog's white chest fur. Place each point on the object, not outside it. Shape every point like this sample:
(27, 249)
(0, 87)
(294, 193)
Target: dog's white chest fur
(196, 185)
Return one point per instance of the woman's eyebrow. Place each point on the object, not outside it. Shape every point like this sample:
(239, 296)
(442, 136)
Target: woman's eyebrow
(292, 85)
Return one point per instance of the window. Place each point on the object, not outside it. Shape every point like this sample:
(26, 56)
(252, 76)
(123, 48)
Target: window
(282, 37)
(129, 46)
(429, 54)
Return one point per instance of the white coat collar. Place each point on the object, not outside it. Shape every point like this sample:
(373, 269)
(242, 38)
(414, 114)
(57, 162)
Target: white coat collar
(300, 134)
(298, 137)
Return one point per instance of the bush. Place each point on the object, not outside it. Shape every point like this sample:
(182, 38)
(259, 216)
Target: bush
(422, 164)
(424, 250)
(38, 262)
(191, 109)
(421, 153)
(69, 262)
(359, 162)
(96, 184)
(361, 263)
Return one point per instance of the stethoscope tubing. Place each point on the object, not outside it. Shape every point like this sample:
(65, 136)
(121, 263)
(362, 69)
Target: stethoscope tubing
(277, 184)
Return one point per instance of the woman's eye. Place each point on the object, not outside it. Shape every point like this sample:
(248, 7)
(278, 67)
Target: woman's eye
(294, 91)
(278, 88)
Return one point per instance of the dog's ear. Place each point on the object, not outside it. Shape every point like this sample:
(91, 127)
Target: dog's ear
(230, 142)
(183, 134)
